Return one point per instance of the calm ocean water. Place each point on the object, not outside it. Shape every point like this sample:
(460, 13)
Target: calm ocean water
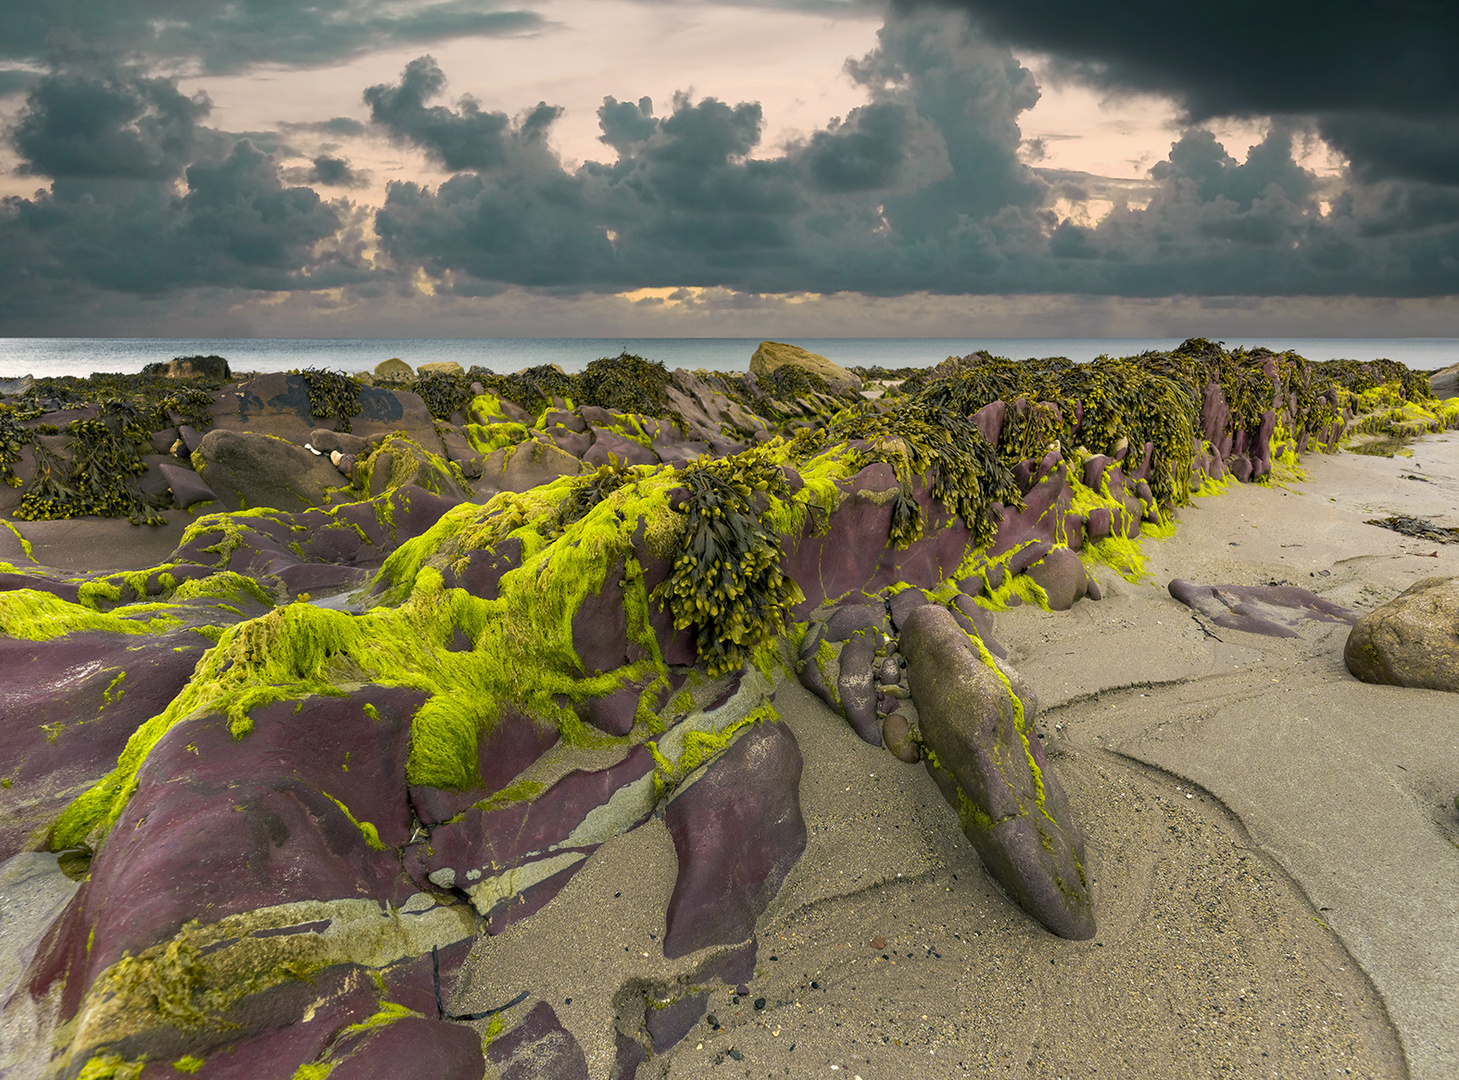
(82, 356)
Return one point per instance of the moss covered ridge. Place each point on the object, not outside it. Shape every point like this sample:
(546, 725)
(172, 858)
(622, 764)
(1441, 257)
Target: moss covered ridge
(186, 989)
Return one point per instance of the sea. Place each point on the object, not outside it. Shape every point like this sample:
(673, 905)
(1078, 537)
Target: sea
(42, 357)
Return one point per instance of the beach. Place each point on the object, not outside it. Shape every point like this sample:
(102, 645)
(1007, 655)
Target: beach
(1272, 846)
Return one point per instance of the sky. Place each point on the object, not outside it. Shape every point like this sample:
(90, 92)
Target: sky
(758, 168)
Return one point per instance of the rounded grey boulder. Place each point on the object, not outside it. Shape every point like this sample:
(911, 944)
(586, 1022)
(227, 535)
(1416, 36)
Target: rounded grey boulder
(1413, 640)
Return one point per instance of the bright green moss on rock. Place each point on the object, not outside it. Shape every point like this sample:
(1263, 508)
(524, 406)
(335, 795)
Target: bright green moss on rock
(408, 463)
(40, 616)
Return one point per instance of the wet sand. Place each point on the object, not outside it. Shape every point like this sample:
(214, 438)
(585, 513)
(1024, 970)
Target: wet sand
(1274, 847)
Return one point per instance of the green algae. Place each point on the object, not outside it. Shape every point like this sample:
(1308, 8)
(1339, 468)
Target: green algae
(699, 747)
(1020, 724)
(522, 647)
(25, 545)
(367, 829)
(409, 463)
(188, 1064)
(41, 616)
(231, 525)
(111, 1067)
(113, 691)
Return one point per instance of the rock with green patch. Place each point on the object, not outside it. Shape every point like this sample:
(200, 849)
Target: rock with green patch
(1062, 576)
(1413, 640)
(526, 466)
(772, 355)
(989, 763)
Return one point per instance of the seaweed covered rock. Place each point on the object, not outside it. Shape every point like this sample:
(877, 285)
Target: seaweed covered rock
(291, 407)
(393, 370)
(990, 765)
(1413, 640)
(772, 355)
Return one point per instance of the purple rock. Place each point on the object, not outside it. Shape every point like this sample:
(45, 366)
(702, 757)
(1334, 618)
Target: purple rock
(1013, 811)
(187, 486)
(629, 1054)
(66, 713)
(989, 421)
(627, 451)
(412, 1048)
(600, 625)
(539, 1048)
(668, 1025)
(904, 603)
(856, 689)
(847, 619)
(482, 574)
(513, 744)
(1062, 576)
(738, 831)
(511, 835)
(1271, 610)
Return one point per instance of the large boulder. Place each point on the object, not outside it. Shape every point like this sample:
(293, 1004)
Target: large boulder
(527, 465)
(278, 404)
(990, 765)
(774, 354)
(1412, 640)
(247, 470)
(1445, 384)
(394, 369)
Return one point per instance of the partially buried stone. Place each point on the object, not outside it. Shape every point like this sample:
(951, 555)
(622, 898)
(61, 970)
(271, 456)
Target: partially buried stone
(896, 733)
(989, 763)
(1413, 640)
(737, 832)
(854, 686)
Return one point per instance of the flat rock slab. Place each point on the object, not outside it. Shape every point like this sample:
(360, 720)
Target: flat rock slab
(738, 832)
(1273, 610)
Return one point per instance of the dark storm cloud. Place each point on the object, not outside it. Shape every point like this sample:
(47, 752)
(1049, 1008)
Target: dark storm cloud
(925, 187)
(1380, 77)
(626, 124)
(334, 172)
(464, 139)
(16, 81)
(107, 124)
(232, 35)
(920, 189)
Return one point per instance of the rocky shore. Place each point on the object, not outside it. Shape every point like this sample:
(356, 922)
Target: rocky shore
(994, 720)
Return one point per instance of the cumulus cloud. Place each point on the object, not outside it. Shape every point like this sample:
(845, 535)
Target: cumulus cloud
(146, 199)
(926, 189)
